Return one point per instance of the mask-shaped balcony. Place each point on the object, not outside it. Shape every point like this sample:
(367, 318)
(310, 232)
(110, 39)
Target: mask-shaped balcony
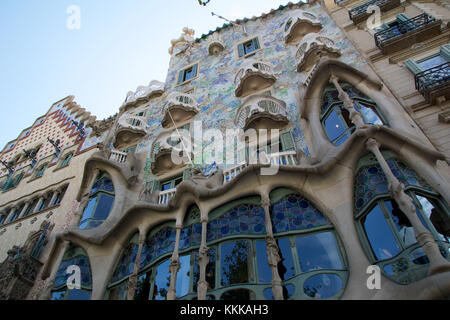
(300, 25)
(162, 150)
(262, 112)
(252, 77)
(311, 48)
(131, 128)
(142, 95)
(179, 108)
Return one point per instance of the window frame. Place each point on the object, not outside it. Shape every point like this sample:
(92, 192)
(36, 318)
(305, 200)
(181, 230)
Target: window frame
(181, 74)
(245, 54)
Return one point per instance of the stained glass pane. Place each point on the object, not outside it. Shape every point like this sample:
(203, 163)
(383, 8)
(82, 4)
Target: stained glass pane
(318, 251)
(183, 276)
(155, 246)
(80, 260)
(126, 263)
(294, 212)
(264, 270)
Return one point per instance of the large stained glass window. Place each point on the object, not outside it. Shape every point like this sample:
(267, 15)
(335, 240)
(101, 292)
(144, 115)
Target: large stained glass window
(336, 119)
(74, 256)
(125, 267)
(309, 249)
(100, 203)
(385, 230)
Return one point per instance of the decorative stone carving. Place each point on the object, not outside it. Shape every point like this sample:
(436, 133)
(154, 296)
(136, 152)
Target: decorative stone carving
(215, 45)
(178, 44)
(211, 181)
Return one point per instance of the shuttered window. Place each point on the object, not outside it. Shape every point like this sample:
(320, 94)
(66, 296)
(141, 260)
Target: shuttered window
(248, 47)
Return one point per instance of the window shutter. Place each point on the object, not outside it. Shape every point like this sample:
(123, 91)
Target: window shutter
(241, 50)
(445, 52)
(256, 43)
(181, 76)
(186, 174)
(413, 66)
(287, 141)
(194, 70)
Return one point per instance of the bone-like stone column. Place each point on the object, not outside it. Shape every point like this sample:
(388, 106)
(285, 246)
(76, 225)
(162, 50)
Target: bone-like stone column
(46, 292)
(132, 282)
(355, 116)
(272, 250)
(203, 261)
(174, 266)
(424, 237)
(84, 201)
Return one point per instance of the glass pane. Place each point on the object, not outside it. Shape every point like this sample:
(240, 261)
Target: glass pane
(79, 295)
(162, 281)
(166, 186)
(318, 251)
(104, 207)
(235, 262)
(210, 275)
(333, 125)
(404, 227)
(183, 276)
(369, 115)
(380, 235)
(288, 291)
(237, 294)
(143, 287)
(119, 292)
(87, 213)
(439, 218)
(286, 268)
(264, 270)
(58, 295)
(323, 286)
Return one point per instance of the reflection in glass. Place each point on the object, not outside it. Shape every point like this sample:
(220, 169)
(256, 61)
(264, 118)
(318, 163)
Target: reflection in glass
(404, 227)
(264, 270)
(333, 125)
(237, 294)
(234, 259)
(288, 291)
(286, 268)
(210, 276)
(380, 236)
(183, 276)
(143, 287)
(439, 218)
(162, 281)
(119, 292)
(318, 251)
(323, 286)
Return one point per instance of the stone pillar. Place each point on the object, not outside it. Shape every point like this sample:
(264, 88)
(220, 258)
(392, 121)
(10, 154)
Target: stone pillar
(54, 195)
(25, 207)
(84, 201)
(424, 237)
(203, 261)
(272, 250)
(46, 292)
(132, 282)
(174, 267)
(355, 116)
(38, 204)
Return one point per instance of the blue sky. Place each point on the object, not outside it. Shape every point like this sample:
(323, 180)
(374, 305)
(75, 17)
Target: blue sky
(120, 45)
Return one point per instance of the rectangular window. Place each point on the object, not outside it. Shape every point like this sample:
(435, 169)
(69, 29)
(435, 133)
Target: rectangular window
(248, 47)
(2, 219)
(172, 183)
(188, 74)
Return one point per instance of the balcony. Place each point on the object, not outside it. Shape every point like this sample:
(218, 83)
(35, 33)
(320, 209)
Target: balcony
(300, 25)
(262, 112)
(311, 48)
(179, 108)
(406, 33)
(287, 158)
(434, 83)
(130, 129)
(359, 14)
(142, 95)
(165, 196)
(118, 156)
(164, 147)
(252, 77)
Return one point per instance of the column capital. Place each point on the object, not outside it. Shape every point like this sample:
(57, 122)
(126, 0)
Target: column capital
(372, 144)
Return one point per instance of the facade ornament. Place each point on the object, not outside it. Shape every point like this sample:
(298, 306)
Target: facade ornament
(355, 116)
(424, 237)
(174, 266)
(203, 261)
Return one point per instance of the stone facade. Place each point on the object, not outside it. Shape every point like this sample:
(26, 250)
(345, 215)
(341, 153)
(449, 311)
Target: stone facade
(360, 170)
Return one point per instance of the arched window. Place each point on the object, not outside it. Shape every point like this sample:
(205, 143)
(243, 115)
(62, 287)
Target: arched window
(154, 278)
(74, 256)
(312, 264)
(335, 118)
(119, 282)
(100, 202)
(385, 230)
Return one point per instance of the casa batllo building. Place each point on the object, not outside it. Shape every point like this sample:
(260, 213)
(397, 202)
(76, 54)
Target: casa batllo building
(362, 178)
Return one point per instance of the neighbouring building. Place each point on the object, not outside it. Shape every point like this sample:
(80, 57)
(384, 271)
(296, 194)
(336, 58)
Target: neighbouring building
(178, 200)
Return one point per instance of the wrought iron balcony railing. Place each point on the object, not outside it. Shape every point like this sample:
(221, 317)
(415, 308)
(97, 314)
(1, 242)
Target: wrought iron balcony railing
(360, 13)
(402, 28)
(432, 78)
